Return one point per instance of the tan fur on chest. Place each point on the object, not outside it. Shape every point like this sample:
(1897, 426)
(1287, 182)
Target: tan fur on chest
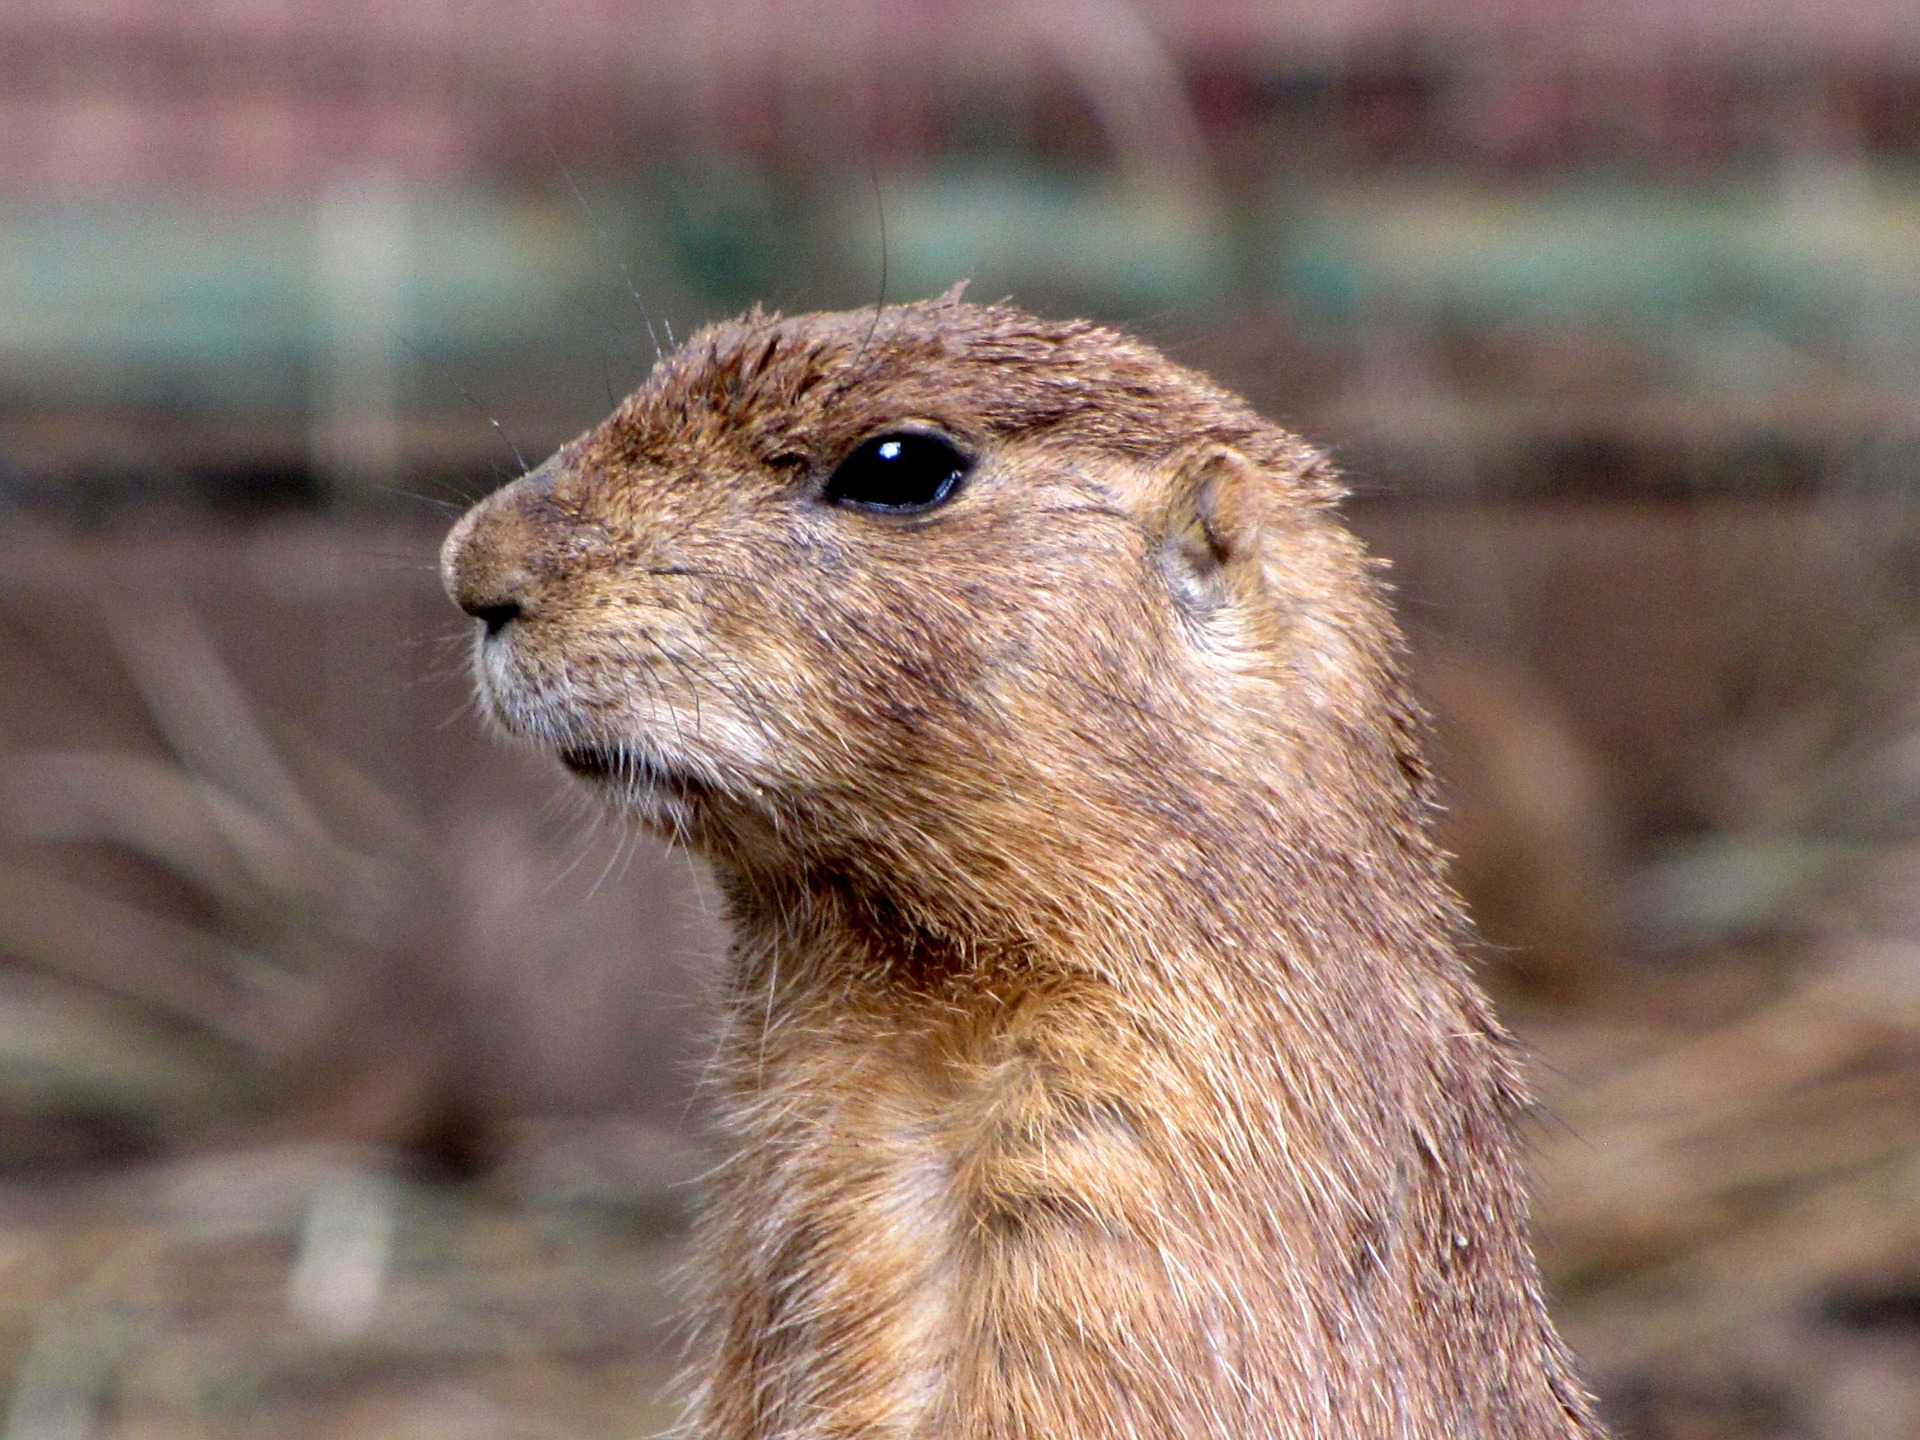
(1099, 1059)
(958, 1196)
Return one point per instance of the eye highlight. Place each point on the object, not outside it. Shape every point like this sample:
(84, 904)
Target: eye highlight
(902, 472)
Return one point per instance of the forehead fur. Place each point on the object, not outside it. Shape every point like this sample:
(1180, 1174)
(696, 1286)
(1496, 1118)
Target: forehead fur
(766, 385)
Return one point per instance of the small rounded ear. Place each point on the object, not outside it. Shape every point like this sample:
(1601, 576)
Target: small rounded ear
(1210, 530)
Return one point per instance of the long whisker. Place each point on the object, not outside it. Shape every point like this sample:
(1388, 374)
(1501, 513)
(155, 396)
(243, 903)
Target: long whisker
(466, 393)
(594, 228)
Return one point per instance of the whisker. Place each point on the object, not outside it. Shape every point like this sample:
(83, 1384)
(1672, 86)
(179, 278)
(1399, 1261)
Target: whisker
(466, 392)
(595, 229)
(452, 507)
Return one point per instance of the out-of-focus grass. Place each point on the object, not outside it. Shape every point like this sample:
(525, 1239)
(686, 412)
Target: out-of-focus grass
(314, 1290)
(300, 888)
(1731, 1196)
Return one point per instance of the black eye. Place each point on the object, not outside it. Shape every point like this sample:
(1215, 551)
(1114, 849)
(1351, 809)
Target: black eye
(900, 472)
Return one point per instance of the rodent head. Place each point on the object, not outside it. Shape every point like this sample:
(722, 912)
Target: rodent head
(931, 588)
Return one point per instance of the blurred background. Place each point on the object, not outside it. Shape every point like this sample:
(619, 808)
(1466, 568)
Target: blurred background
(348, 1063)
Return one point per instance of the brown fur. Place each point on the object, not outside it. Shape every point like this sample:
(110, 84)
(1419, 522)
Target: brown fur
(1099, 1059)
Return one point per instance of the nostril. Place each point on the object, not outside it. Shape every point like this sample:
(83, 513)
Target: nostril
(496, 615)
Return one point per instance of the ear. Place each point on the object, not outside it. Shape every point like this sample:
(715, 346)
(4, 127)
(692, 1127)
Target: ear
(1211, 527)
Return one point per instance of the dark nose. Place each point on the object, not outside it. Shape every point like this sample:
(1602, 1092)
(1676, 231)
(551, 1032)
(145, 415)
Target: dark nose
(488, 562)
(496, 616)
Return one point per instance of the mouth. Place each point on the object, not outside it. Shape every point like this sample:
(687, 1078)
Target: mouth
(607, 765)
(593, 763)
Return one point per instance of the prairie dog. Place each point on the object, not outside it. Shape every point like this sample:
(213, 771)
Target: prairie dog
(1099, 1059)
